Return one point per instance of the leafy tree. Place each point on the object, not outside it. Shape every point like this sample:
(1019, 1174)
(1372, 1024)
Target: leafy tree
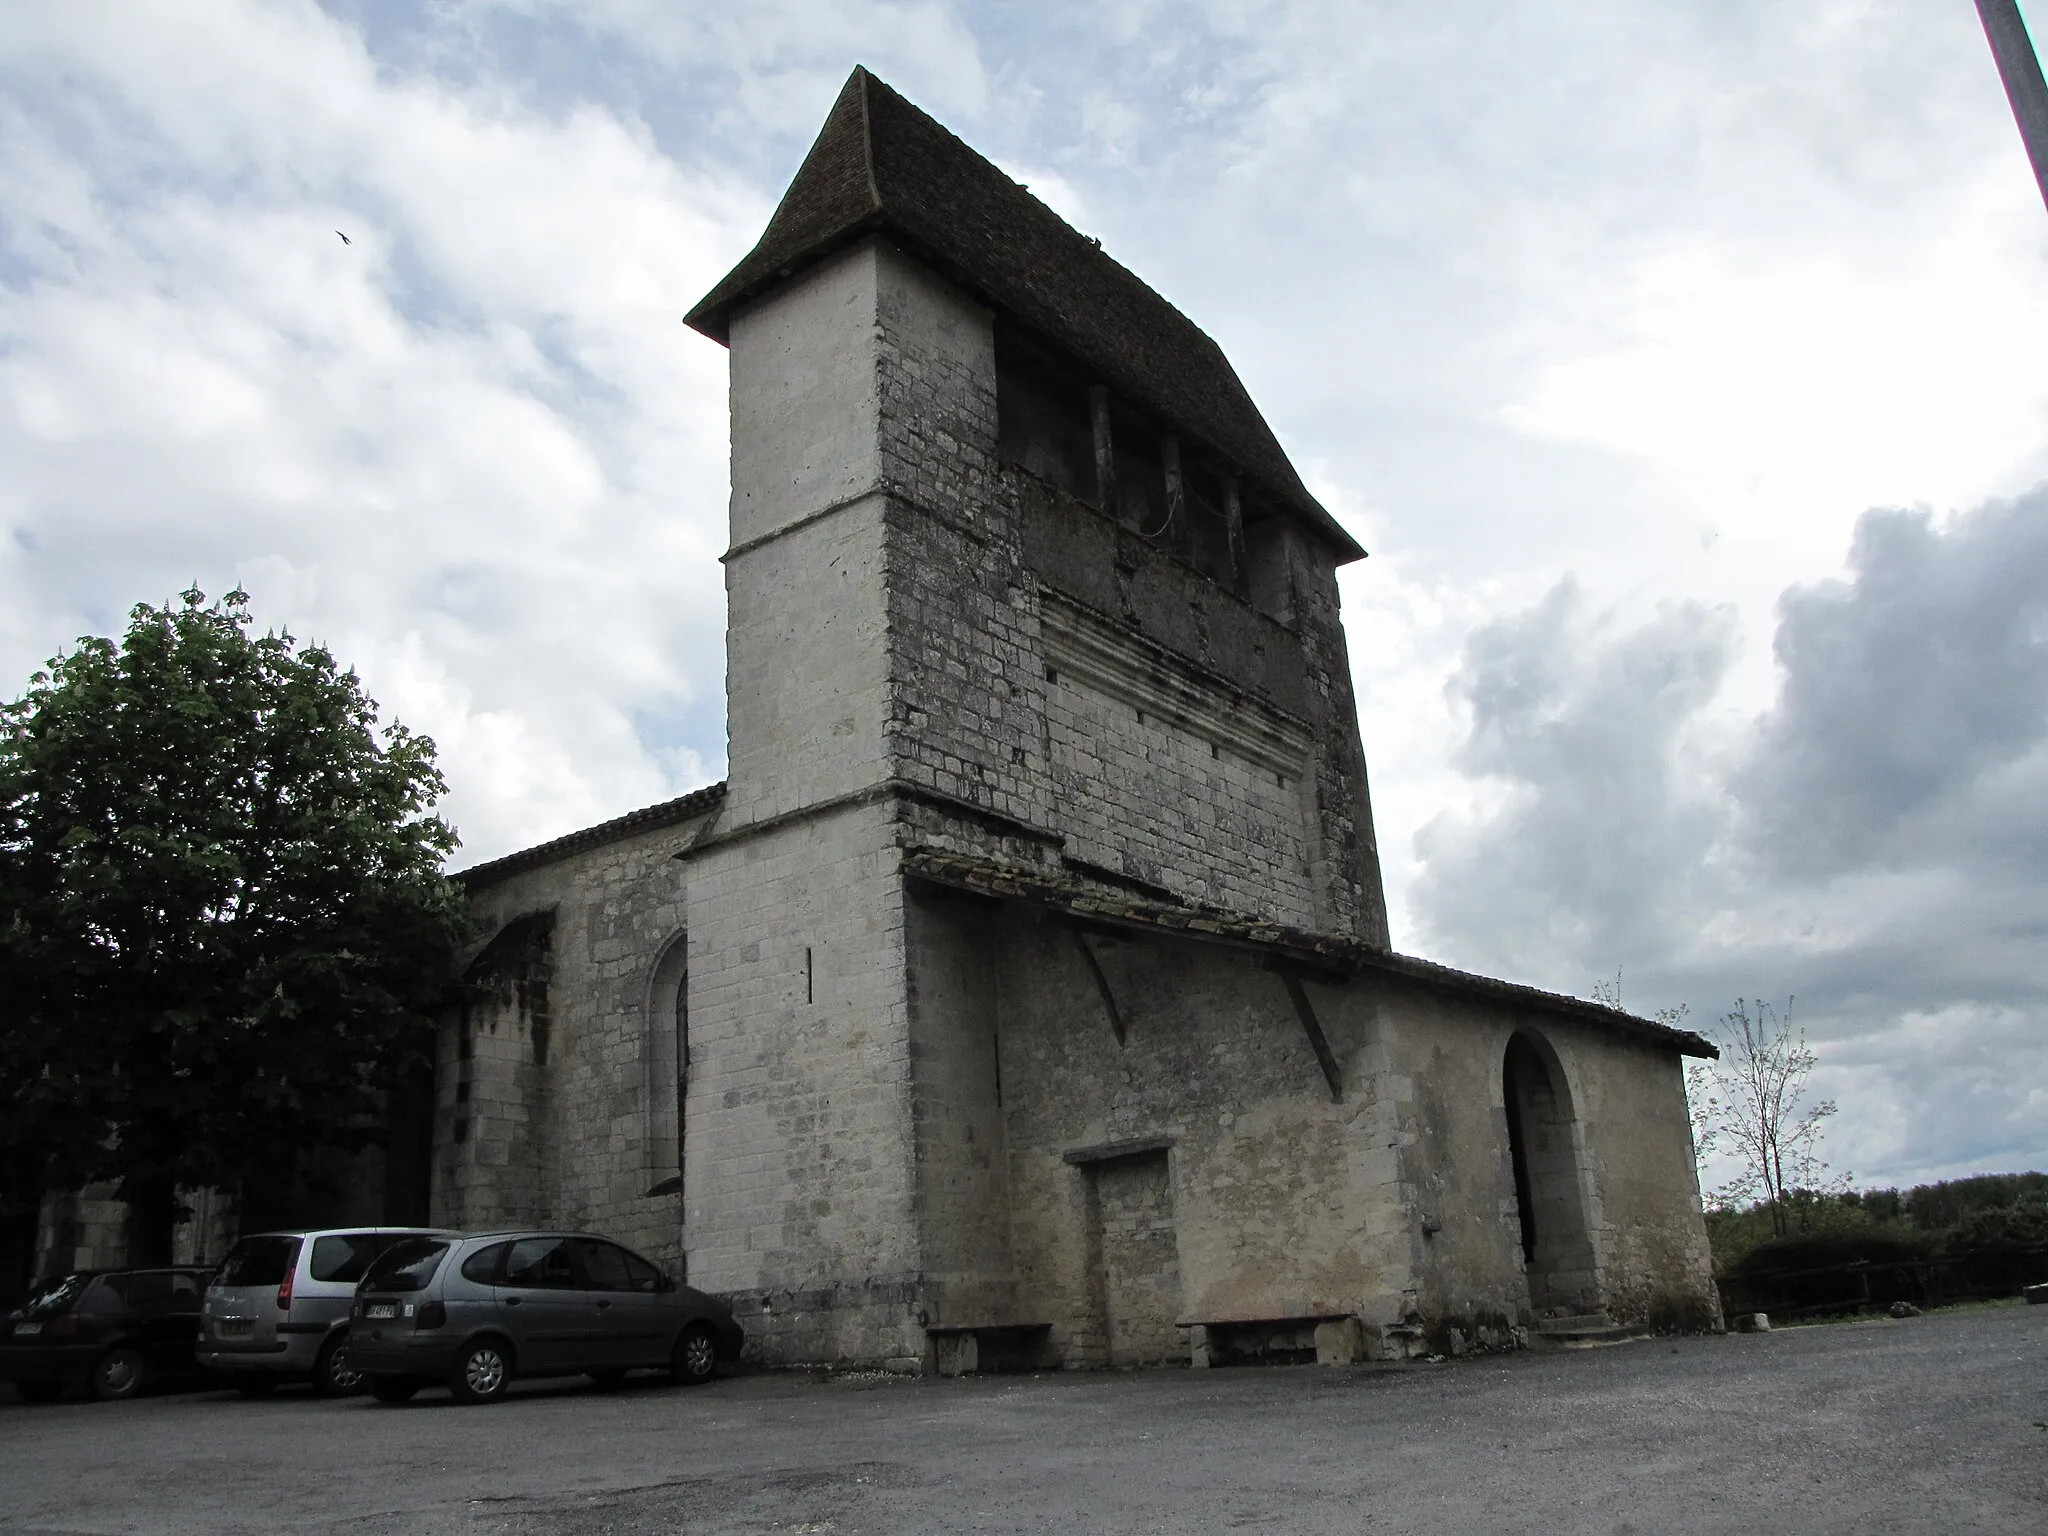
(223, 923)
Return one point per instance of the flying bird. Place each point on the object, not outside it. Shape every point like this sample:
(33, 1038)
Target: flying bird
(345, 239)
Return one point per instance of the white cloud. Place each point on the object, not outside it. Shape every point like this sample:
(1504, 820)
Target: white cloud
(1651, 298)
(475, 450)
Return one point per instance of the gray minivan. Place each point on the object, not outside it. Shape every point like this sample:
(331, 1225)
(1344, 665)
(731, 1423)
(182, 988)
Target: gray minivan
(472, 1313)
(277, 1308)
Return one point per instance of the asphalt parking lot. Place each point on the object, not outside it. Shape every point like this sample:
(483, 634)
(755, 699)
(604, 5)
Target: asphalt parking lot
(1937, 1423)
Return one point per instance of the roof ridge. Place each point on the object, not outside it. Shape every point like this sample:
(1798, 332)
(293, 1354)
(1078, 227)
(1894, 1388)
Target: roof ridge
(867, 79)
(965, 217)
(648, 818)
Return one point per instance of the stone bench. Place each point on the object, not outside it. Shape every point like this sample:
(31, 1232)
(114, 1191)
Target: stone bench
(962, 1349)
(1327, 1338)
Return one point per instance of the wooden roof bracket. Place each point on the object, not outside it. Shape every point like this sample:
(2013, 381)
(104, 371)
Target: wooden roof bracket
(1116, 1019)
(1290, 977)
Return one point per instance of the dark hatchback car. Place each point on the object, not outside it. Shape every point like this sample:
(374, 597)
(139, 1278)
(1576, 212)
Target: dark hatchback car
(113, 1332)
(472, 1313)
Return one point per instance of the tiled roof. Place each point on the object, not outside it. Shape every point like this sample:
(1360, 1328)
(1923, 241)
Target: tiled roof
(1318, 951)
(881, 164)
(647, 819)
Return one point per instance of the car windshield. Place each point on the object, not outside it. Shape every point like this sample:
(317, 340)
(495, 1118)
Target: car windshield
(259, 1261)
(53, 1295)
(407, 1265)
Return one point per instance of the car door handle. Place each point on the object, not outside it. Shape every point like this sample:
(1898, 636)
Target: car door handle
(511, 1301)
(602, 1305)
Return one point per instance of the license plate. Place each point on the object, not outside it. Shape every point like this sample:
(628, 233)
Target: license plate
(27, 1330)
(380, 1309)
(236, 1327)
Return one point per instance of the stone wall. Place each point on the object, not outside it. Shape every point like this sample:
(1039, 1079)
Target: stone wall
(910, 1109)
(550, 1117)
(1284, 1204)
(798, 1123)
(1633, 1204)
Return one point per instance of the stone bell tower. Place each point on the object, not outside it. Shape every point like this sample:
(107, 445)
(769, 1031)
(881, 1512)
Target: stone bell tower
(1018, 575)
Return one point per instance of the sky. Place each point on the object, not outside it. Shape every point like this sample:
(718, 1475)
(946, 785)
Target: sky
(1676, 360)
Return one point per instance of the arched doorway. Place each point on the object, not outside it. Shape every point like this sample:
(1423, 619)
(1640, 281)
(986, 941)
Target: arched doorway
(1557, 1252)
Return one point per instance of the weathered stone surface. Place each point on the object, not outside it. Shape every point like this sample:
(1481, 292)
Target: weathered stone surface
(902, 1105)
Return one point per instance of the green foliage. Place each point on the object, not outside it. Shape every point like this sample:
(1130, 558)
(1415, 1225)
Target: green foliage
(1936, 1207)
(1995, 1243)
(1791, 1274)
(1840, 1245)
(223, 923)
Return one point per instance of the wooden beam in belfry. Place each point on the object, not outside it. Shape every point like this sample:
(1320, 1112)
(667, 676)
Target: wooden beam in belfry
(2020, 68)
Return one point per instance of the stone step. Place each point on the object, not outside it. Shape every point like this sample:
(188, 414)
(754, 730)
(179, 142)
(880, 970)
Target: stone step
(1584, 1329)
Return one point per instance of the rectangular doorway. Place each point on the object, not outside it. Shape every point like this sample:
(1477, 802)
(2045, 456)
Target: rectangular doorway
(1139, 1258)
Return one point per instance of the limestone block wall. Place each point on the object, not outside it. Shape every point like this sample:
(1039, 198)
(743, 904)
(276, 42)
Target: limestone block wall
(1443, 1055)
(81, 1229)
(1164, 776)
(798, 1123)
(1631, 1181)
(1086, 723)
(1650, 1240)
(1284, 1204)
(552, 1116)
(807, 680)
(960, 1145)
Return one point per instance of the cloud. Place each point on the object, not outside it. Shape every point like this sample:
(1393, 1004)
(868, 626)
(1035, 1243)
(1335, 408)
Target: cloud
(1870, 844)
(474, 450)
(1602, 323)
(1914, 712)
(1600, 815)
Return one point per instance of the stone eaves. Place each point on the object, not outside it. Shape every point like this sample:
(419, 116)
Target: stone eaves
(1331, 954)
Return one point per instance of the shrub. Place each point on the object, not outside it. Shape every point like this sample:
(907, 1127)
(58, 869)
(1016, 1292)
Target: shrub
(1780, 1275)
(1999, 1250)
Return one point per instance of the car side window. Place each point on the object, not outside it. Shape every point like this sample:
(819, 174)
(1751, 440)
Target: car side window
(481, 1267)
(540, 1263)
(149, 1292)
(185, 1292)
(342, 1259)
(645, 1276)
(604, 1265)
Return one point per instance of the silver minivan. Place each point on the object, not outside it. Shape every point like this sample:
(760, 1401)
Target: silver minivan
(472, 1313)
(277, 1308)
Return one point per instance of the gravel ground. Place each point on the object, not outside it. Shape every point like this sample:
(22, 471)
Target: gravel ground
(1937, 1423)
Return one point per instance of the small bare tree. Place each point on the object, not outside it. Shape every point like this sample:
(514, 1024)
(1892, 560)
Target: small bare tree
(1758, 1102)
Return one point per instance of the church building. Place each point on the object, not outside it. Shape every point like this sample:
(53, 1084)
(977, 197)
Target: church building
(1025, 994)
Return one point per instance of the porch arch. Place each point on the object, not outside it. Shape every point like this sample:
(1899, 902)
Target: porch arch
(1550, 1202)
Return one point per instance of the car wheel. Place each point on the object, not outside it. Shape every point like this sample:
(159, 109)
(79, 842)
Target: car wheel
(255, 1383)
(482, 1372)
(393, 1389)
(40, 1391)
(695, 1360)
(332, 1376)
(118, 1374)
